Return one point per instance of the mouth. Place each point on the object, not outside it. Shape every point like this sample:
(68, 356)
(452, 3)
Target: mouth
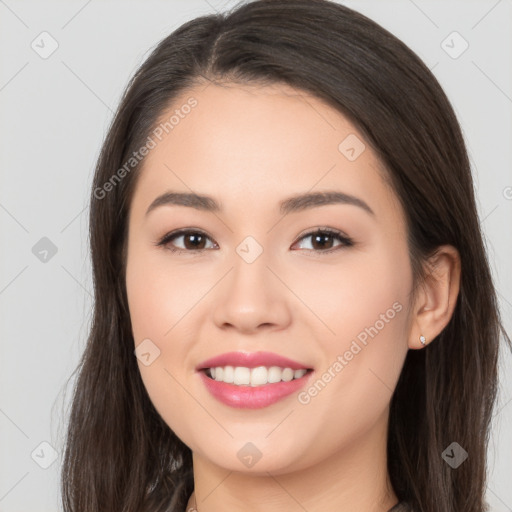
(252, 380)
(253, 388)
(254, 377)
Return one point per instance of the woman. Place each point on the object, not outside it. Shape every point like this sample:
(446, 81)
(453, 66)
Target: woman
(293, 305)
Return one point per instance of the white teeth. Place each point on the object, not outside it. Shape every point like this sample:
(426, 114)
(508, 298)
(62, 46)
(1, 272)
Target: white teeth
(259, 376)
(229, 374)
(287, 374)
(242, 376)
(299, 373)
(274, 374)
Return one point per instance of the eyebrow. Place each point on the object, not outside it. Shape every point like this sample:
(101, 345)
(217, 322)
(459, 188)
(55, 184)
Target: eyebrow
(292, 204)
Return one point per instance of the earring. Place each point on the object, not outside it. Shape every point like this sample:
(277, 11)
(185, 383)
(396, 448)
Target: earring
(422, 339)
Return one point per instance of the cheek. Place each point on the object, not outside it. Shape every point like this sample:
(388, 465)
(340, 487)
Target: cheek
(158, 301)
(363, 305)
(159, 295)
(373, 300)
(361, 291)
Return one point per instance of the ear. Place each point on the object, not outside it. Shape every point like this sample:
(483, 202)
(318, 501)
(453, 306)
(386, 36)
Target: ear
(436, 297)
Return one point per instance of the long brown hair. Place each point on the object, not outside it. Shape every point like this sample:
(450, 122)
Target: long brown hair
(120, 454)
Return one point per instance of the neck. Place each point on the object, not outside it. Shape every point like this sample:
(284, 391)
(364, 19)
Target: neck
(354, 478)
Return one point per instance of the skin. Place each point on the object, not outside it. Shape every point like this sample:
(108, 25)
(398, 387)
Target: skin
(250, 147)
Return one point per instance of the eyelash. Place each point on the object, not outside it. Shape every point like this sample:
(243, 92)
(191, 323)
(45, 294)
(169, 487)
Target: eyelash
(346, 242)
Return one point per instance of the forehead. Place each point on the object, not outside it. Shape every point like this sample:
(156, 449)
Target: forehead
(251, 145)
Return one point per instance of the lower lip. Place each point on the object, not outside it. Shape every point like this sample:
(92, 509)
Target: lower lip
(249, 397)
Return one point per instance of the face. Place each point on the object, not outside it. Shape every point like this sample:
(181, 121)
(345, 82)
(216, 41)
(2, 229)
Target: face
(325, 285)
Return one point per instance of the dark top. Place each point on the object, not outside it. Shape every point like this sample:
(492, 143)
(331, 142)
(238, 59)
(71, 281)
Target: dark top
(401, 507)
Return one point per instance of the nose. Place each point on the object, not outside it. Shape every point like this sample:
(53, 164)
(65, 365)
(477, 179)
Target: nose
(251, 297)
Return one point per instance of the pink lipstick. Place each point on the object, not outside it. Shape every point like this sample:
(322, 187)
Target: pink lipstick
(252, 380)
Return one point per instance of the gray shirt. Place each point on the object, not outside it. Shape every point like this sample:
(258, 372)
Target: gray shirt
(402, 506)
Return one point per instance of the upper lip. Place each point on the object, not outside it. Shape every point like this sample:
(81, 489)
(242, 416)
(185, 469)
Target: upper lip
(251, 360)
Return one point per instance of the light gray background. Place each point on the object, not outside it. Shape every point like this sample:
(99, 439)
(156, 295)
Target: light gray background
(54, 115)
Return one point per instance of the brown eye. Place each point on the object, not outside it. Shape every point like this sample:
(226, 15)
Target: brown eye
(322, 240)
(194, 241)
(187, 240)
